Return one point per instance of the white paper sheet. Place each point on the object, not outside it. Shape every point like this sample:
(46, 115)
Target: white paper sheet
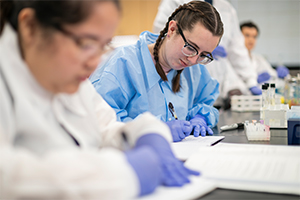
(185, 148)
(198, 187)
(263, 168)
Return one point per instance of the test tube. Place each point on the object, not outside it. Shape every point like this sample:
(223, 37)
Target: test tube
(267, 103)
(272, 94)
(264, 95)
(264, 101)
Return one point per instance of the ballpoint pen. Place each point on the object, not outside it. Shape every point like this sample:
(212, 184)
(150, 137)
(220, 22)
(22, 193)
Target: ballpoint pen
(172, 110)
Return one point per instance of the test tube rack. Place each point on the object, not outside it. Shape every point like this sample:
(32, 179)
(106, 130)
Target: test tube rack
(257, 131)
(244, 103)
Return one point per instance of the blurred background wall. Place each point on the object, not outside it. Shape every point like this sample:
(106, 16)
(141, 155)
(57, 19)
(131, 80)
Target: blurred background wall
(137, 16)
(279, 24)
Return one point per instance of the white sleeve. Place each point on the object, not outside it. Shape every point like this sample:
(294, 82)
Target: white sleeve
(65, 174)
(263, 65)
(7, 120)
(76, 173)
(238, 54)
(165, 9)
(112, 133)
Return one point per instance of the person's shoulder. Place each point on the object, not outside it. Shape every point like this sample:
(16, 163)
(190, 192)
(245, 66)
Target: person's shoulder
(119, 56)
(124, 51)
(223, 6)
(147, 37)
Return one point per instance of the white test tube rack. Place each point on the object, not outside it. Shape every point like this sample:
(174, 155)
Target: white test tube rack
(257, 131)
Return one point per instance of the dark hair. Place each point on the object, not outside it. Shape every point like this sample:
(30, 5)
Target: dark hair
(250, 25)
(187, 15)
(51, 14)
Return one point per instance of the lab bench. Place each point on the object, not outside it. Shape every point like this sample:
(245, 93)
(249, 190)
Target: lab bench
(278, 137)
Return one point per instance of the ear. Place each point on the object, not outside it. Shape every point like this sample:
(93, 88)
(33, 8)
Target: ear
(27, 25)
(172, 28)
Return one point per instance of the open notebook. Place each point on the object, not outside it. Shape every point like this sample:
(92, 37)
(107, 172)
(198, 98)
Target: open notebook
(264, 168)
(190, 145)
(261, 168)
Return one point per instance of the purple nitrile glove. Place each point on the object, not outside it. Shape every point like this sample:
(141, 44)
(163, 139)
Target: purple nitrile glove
(200, 126)
(179, 129)
(146, 165)
(263, 77)
(255, 90)
(174, 172)
(282, 71)
(219, 51)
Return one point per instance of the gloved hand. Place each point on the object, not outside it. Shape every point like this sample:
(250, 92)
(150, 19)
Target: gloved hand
(146, 165)
(174, 172)
(255, 90)
(219, 51)
(263, 77)
(179, 129)
(200, 126)
(282, 71)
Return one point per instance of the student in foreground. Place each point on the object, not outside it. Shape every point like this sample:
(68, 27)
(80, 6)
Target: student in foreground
(167, 71)
(58, 138)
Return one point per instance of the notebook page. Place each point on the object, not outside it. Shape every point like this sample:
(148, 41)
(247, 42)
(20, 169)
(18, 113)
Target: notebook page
(185, 148)
(250, 167)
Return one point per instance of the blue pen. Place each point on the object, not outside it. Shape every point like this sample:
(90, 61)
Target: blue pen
(172, 110)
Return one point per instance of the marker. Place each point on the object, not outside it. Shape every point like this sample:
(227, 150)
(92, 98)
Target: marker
(232, 126)
(172, 110)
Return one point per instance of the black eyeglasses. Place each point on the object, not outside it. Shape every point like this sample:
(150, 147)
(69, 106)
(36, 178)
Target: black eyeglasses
(190, 51)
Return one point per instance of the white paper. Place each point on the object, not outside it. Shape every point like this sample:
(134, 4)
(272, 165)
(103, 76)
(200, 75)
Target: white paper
(250, 167)
(190, 145)
(198, 187)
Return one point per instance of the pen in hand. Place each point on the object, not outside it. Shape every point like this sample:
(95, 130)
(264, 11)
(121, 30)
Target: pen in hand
(172, 110)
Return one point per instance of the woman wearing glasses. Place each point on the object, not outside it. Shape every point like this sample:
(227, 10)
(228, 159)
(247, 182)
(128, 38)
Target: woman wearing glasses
(167, 69)
(58, 138)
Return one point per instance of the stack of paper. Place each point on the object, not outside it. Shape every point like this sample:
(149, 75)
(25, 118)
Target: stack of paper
(251, 167)
(198, 187)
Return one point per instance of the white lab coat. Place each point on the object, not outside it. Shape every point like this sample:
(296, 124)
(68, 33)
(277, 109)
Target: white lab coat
(233, 69)
(38, 157)
(261, 65)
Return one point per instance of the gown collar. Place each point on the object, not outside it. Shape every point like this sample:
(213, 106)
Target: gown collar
(153, 77)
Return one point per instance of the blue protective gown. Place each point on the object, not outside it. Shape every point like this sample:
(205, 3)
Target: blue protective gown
(130, 84)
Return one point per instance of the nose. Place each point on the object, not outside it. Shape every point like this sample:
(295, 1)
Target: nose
(193, 59)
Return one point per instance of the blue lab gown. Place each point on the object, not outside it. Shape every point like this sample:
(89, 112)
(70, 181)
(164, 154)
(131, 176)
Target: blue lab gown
(130, 84)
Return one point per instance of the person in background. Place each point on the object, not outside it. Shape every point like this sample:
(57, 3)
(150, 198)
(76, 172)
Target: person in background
(231, 67)
(166, 71)
(264, 70)
(59, 139)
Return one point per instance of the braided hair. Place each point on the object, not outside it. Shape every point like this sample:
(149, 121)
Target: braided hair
(187, 15)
